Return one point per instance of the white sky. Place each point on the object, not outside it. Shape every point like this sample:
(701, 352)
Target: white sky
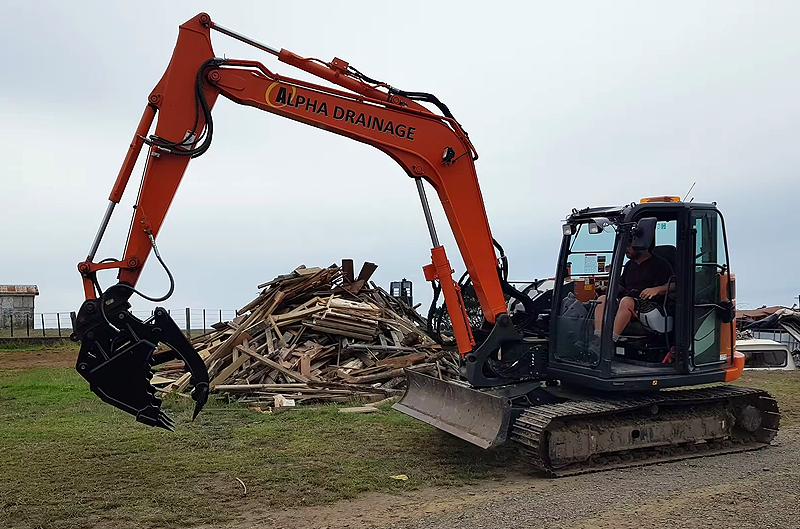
(568, 104)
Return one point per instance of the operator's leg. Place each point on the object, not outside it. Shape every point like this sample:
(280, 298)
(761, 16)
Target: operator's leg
(624, 314)
(598, 314)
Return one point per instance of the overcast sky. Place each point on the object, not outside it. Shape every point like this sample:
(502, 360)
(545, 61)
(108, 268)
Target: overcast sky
(568, 104)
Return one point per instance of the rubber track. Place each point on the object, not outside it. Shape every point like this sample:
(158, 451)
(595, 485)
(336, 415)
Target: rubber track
(528, 430)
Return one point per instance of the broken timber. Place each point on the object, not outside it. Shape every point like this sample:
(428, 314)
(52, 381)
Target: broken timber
(316, 335)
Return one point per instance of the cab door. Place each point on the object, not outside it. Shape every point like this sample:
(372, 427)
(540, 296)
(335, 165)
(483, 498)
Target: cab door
(710, 287)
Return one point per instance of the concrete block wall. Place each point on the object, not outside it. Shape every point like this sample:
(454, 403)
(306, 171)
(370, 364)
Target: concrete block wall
(16, 308)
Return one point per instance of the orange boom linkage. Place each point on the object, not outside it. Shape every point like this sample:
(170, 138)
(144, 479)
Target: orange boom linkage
(117, 350)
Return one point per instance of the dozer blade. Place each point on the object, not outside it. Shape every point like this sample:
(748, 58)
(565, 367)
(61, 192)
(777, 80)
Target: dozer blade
(480, 418)
(117, 360)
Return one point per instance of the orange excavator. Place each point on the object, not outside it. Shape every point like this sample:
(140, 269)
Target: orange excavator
(545, 368)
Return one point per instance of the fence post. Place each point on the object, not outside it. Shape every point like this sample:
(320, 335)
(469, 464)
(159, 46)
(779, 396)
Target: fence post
(58, 322)
(43, 324)
(220, 315)
(188, 325)
(204, 321)
(12, 324)
(27, 325)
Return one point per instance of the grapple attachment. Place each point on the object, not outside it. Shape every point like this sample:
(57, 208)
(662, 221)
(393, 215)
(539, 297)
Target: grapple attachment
(118, 352)
(481, 418)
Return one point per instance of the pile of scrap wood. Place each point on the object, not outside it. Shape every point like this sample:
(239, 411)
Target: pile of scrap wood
(316, 335)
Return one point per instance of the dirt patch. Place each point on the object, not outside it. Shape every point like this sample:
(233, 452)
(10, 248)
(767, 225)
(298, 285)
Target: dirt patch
(374, 510)
(13, 359)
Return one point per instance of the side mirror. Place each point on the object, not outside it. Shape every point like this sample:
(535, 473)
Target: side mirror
(644, 233)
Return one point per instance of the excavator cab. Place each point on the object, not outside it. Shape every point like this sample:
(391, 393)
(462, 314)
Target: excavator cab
(680, 337)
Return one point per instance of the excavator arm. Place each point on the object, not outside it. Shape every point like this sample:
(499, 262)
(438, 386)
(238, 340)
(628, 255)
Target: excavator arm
(118, 350)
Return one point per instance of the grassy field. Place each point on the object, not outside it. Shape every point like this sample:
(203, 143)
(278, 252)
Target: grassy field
(70, 461)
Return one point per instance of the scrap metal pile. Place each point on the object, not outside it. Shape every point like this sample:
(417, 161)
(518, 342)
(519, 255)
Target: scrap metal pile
(316, 335)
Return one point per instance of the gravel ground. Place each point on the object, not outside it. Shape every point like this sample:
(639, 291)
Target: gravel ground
(753, 489)
(747, 490)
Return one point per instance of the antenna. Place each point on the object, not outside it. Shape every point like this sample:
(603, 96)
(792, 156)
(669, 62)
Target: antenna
(690, 190)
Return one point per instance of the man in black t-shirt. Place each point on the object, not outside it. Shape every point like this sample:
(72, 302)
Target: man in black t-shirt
(644, 279)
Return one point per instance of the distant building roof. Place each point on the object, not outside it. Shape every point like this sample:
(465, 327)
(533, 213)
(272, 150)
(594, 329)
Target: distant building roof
(755, 314)
(19, 290)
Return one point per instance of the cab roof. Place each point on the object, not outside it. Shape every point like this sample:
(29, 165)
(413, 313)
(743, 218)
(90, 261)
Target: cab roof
(621, 212)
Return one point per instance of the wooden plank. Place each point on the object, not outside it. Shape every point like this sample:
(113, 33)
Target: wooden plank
(357, 389)
(296, 338)
(227, 347)
(330, 330)
(181, 383)
(308, 271)
(397, 336)
(158, 380)
(361, 319)
(270, 343)
(393, 383)
(275, 302)
(359, 409)
(233, 341)
(355, 287)
(277, 331)
(324, 352)
(344, 325)
(385, 348)
(228, 371)
(392, 373)
(261, 387)
(347, 269)
(364, 357)
(339, 303)
(402, 361)
(296, 315)
(278, 367)
(255, 303)
(367, 269)
(305, 365)
(387, 400)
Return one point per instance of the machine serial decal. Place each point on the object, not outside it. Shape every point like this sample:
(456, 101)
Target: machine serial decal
(288, 97)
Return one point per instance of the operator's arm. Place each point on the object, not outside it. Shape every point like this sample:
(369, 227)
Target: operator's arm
(666, 281)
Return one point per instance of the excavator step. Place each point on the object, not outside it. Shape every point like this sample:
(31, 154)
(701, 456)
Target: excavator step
(595, 434)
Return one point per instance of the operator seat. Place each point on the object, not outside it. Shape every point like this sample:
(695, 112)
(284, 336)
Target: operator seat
(668, 252)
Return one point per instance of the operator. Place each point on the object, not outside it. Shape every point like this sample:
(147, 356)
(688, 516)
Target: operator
(645, 278)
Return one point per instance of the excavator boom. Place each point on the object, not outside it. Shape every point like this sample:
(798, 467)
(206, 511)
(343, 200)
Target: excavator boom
(428, 146)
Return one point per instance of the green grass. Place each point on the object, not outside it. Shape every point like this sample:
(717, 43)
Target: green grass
(66, 331)
(71, 461)
(784, 386)
(35, 333)
(64, 345)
